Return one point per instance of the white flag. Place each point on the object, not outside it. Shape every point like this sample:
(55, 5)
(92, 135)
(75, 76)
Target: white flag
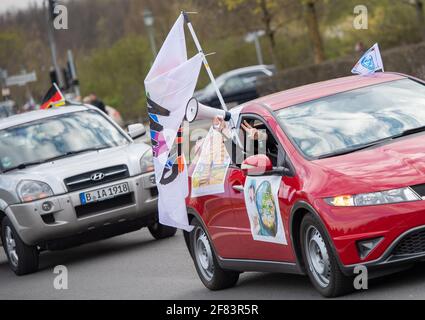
(169, 85)
(370, 62)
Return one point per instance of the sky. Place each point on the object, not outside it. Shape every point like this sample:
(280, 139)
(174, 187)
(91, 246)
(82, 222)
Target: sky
(13, 5)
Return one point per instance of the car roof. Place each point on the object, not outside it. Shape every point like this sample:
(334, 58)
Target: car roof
(319, 90)
(40, 114)
(246, 70)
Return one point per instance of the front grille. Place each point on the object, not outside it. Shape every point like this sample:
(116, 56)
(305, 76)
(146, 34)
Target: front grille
(413, 243)
(97, 207)
(419, 189)
(84, 181)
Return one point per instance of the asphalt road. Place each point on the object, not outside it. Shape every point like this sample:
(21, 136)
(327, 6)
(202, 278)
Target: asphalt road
(135, 266)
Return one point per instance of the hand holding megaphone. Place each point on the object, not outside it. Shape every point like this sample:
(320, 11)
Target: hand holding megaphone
(198, 111)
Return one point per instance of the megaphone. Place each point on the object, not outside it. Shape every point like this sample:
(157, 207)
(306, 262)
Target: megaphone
(198, 111)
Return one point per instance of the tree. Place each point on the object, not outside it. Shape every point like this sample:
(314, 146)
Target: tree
(313, 29)
(116, 75)
(419, 8)
(265, 9)
(109, 39)
(267, 18)
(11, 45)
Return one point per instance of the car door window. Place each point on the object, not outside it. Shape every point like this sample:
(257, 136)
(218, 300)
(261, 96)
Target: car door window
(266, 144)
(233, 84)
(249, 79)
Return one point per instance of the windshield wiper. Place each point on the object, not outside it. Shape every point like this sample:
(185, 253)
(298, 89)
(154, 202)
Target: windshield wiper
(65, 155)
(73, 153)
(23, 166)
(354, 149)
(409, 132)
(369, 145)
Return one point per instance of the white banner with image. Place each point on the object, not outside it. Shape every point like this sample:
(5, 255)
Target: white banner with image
(211, 167)
(262, 205)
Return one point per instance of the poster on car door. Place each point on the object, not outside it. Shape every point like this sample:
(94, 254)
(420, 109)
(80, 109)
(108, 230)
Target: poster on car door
(262, 206)
(211, 168)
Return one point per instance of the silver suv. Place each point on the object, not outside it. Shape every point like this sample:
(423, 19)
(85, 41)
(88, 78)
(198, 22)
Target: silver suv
(69, 176)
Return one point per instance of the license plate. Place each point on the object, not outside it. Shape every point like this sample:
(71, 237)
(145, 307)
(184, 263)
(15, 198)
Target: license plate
(104, 193)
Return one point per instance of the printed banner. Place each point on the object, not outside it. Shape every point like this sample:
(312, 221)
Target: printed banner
(169, 85)
(262, 205)
(211, 168)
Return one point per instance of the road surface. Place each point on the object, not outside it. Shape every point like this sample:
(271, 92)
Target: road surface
(135, 266)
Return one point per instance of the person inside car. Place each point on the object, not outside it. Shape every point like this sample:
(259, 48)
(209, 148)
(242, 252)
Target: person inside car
(256, 140)
(95, 101)
(252, 133)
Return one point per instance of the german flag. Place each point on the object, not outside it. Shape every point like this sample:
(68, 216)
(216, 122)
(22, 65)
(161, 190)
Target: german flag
(52, 98)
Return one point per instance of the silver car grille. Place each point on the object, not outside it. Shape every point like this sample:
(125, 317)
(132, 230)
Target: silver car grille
(96, 177)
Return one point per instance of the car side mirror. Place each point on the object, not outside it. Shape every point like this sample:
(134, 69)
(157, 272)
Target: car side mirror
(256, 165)
(136, 130)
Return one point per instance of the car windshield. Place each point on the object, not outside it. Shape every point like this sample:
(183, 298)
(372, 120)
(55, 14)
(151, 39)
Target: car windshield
(347, 121)
(56, 137)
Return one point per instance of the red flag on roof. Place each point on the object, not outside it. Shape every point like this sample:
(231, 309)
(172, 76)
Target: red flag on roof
(53, 97)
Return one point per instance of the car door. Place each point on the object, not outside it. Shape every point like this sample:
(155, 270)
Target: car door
(219, 217)
(255, 249)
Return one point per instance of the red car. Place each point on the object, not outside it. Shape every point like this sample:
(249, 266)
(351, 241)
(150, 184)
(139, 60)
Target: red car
(348, 156)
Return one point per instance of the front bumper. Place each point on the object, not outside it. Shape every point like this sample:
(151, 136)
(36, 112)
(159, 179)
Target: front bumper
(36, 226)
(395, 223)
(396, 254)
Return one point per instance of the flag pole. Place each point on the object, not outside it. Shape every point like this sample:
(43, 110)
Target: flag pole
(207, 66)
(211, 76)
(379, 50)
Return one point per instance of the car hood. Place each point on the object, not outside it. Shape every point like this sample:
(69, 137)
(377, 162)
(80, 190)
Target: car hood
(398, 164)
(55, 172)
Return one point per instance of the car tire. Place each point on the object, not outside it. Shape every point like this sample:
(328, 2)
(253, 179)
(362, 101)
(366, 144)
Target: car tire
(159, 231)
(207, 267)
(320, 262)
(23, 259)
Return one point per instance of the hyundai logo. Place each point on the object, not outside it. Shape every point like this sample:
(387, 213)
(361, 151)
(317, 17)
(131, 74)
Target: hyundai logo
(97, 176)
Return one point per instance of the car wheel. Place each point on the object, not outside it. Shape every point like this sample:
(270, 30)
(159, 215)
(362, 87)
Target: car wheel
(23, 259)
(159, 231)
(207, 267)
(320, 262)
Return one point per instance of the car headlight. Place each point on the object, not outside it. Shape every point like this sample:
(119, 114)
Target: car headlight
(30, 190)
(374, 198)
(146, 162)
